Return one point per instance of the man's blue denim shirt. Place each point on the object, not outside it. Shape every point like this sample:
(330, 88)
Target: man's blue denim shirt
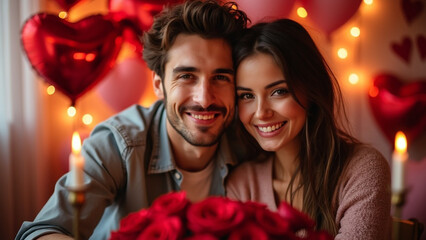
(128, 164)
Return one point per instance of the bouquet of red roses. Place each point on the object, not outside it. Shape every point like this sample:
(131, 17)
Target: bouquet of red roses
(173, 216)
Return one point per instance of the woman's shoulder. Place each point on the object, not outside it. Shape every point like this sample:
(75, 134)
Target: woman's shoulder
(366, 169)
(363, 195)
(368, 158)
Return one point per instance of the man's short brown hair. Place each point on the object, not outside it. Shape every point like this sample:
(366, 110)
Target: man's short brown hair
(208, 19)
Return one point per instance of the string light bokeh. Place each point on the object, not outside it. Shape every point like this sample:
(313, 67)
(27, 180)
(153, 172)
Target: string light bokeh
(342, 53)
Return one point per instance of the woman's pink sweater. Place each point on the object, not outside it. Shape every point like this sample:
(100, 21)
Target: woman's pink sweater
(363, 194)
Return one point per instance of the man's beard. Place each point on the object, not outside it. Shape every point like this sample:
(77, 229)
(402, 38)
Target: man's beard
(177, 124)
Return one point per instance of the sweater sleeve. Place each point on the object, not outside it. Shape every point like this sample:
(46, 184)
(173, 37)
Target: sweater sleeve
(363, 210)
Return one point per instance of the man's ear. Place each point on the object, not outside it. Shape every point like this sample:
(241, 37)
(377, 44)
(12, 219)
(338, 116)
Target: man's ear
(158, 85)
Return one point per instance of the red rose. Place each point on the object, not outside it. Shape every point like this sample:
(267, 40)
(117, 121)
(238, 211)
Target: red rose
(174, 203)
(172, 216)
(298, 220)
(273, 223)
(215, 215)
(132, 225)
(163, 228)
(249, 231)
(250, 208)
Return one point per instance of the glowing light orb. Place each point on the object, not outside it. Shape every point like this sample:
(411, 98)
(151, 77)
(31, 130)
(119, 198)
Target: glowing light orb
(71, 111)
(342, 53)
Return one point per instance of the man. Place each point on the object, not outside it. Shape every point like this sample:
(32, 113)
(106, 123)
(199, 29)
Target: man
(176, 144)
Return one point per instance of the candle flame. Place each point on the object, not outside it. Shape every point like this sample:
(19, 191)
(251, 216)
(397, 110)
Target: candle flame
(76, 143)
(400, 142)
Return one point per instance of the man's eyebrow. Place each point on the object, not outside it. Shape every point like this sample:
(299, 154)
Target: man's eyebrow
(224, 70)
(194, 69)
(185, 69)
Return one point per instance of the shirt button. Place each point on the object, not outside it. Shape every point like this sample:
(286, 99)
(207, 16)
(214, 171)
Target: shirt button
(178, 176)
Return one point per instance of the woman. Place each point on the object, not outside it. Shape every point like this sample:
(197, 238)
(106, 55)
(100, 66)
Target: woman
(289, 101)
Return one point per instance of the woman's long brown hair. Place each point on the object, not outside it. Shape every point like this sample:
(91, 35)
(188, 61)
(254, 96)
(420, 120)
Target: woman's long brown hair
(325, 143)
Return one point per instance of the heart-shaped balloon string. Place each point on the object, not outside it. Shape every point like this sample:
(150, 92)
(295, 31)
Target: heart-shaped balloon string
(138, 14)
(71, 56)
(329, 15)
(67, 4)
(398, 107)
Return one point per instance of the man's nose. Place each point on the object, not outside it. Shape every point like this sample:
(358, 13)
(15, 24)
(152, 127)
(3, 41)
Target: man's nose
(204, 93)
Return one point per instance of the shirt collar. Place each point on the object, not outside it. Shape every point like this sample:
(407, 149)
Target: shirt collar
(224, 154)
(162, 157)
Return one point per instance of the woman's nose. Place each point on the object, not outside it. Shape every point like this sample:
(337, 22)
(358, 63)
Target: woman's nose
(263, 110)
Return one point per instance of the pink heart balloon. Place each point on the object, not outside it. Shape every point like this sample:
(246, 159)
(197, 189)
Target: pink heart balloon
(265, 10)
(328, 15)
(129, 76)
(398, 107)
(73, 57)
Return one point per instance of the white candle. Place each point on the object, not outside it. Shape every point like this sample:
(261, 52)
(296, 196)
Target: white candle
(399, 157)
(76, 164)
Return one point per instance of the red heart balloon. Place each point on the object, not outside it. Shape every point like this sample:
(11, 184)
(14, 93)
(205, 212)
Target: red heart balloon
(398, 107)
(71, 56)
(139, 13)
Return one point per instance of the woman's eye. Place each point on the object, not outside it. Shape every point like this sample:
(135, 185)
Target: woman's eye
(280, 92)
(245, 96)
